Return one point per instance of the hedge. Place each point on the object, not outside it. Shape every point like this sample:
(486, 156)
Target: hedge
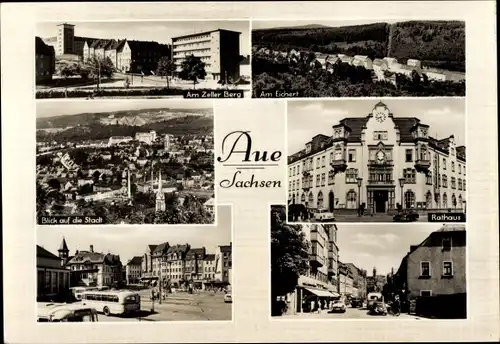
(120, 92)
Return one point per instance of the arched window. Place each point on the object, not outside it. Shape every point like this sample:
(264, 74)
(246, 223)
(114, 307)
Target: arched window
(320, 200)
(338, 152)
(454, 201)
(428, 200)
(351, 200)
(445, 200)
(311, 198)
(409, 199)
(460, 202)
(437, 198)
(445, 181)
(303, 199)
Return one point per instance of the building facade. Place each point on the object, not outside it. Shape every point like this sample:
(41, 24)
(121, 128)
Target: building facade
(133, 270)
(346, 282)
(358, 281)
(382, 161)
(53, 277)
(320, 284)
(218, 49)
(223, 263)
(194, 266)
(91, 268)
(209, 268)
(45, 61)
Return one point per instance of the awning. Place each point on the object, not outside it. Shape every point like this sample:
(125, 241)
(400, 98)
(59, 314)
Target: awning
(321, 293)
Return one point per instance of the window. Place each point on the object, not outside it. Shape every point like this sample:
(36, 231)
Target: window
(409, 155)
(351, 200)
(317, 162)
(351, 175)
(428, 178)
(463, 185)
(317, 180)
(320, 200)
(445, 200)
(459, 184)
(453, 185)
(459, 169)
(338, 152)
(452, 166)
(331, 177)
(425, 293)
(409, 199)
(445, 181)
(380, 135)
(425, 269)
(409, 175)
(323, 179)
(352, 155)
(447, 244)
(444, 164)
(323, 161)
(447, 269)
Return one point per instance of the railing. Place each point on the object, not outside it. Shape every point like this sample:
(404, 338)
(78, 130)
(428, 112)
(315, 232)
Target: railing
(380, 182)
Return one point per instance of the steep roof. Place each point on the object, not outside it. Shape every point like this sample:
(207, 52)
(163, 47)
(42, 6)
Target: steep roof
(94, 257)
(210, 257)
(161, 248)
(64, 246)
(43, 49)
(178, 249)
(152, 248)
(200, 252)
(137, 260)
(225, 248)
(41, 252)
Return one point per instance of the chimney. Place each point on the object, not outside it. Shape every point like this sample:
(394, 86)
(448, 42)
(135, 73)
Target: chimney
(91, 248)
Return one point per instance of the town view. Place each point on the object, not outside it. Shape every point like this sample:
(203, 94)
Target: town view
(408, 58)
(135, 274)
(329, 271)
(140, 59)
(133, 163)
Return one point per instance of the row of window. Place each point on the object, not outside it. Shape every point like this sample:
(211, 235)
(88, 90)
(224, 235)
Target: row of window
(426, 271)
(442, 181)
(192, 38)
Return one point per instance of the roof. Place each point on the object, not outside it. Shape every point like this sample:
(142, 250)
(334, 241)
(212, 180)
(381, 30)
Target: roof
(152, 248)
(225, 248)
(178, 249)
(210, 257)
(203, 33)
(41, 252)
(86, 39)
(64, 246)
(452, 228)
(200, 252)
(94, 257)
(162, 247)
(43, 49)
(137, 260)
(146, 45)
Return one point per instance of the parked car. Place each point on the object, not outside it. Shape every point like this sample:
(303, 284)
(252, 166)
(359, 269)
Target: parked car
(378, 308)
(228, 298)
(407, 215)
(323, 215)
(339, 307)
(356, 303)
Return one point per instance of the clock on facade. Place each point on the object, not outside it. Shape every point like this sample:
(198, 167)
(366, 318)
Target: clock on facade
(380, 116)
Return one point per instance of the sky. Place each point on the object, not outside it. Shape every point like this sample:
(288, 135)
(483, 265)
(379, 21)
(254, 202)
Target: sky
(159, 31)
(58, 108)
(266, 24)
(305, 119)
(133, 241)
(379, 245)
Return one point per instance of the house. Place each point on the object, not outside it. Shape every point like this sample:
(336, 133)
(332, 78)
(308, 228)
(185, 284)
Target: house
(140, 56)
(390, 61)
(432, 275)
(414, 63)
(345, 59)
(379, 68)
(100, 47)
(87, 52)
(111, 51)
(52, 276)
(363, 61)
(436, 75)
(45, 61)
(133, 270)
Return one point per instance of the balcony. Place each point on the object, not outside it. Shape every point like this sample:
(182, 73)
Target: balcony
(422, 165)
(380, 162)
(339, 165)
(315, 260)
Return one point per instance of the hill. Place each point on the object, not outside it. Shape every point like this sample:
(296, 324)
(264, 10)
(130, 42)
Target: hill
(437, 43)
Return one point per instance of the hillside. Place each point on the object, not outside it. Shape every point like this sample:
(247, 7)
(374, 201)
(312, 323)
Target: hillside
(130, 117)
(437, 43)
(186, 125)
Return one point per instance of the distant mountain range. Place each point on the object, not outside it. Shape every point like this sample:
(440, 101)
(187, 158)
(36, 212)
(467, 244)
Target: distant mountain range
(97, 126)
(307, 26)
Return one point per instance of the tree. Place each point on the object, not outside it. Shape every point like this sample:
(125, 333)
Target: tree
(192, 68)
(165, 68)
(98, 67)
(289, 257)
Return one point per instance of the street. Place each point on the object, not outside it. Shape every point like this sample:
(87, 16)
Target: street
(351, 313)
(180, 307)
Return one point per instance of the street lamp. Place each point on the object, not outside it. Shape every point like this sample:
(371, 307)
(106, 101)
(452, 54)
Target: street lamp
(360, 181)
(401, 185)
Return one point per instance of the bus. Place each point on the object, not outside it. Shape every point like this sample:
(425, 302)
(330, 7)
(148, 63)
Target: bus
(63, 312)
(116, 302)
(373, 297)
(77, 292)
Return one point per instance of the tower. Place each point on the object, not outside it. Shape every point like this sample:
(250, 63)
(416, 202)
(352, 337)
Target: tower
(160, 196)
(65, 39)
(63, 252)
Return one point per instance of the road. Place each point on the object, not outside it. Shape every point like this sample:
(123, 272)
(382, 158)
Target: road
(351, 313)
(180, 307)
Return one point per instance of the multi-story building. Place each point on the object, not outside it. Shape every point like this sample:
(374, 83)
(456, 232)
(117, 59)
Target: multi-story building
(346, 281)
(223, 263)
(358, 281)
(382, 161)
(209, 268)
(140, 56)
(53, 277)
(133, 270)
(95, 269)
(147, 264)
(159, 262)
(317, 284)
(45, 61)
(176, 263)
(218, 49)
(147, 138)
(193, 271)
(375, 282)
(435, 271)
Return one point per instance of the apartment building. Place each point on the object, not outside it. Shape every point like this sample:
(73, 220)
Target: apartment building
(218, 49)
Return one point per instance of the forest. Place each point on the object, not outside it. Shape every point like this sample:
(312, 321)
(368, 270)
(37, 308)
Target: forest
(439, 44)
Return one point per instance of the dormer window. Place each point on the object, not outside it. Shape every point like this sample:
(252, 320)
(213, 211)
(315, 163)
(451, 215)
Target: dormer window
(308, 148)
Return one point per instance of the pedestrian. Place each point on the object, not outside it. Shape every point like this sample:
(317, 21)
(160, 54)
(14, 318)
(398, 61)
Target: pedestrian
(312, 306)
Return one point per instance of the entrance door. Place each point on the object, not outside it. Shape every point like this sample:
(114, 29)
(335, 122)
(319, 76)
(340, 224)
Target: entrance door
(380, 198)
(330, 201)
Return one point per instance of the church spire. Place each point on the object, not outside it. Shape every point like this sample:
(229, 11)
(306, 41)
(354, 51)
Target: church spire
(63, 249)
(160, 186)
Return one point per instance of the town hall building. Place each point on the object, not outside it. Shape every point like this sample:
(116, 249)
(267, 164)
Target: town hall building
(381, 160)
